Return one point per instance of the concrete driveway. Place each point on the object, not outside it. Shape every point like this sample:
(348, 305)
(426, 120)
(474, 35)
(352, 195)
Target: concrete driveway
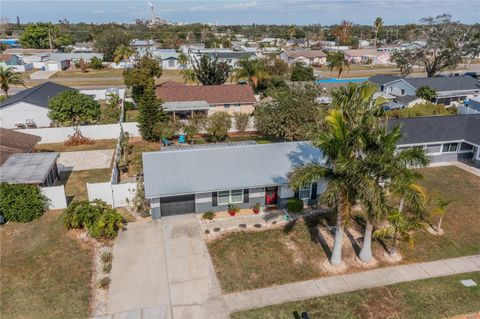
(42, 75)
(165, 264)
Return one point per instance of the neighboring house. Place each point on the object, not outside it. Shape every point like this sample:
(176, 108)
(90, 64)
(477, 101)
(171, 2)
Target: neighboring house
(83, 47)
(209, 177)
(32, 168)
(367, 56)
(307, 57)
(445, 138)
(14, 142)
(28, 51)
(15, 61)
(168, 58)
(232, 57)
(55, 64)
(229, 98)
(449, 89)
(29, 108)
(75, 57)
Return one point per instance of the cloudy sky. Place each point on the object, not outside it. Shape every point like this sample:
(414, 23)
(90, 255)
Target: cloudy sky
(325, 12)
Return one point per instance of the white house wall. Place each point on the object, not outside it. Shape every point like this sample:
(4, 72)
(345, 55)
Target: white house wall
(21, 112)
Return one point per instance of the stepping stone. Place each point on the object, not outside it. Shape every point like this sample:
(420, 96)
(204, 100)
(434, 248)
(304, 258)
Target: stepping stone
(257, 226)
(242, 225)
(207, 232)
(468, 283)
(216, 229)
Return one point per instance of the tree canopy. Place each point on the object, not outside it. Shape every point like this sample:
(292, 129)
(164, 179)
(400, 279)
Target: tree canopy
(209, 71)
(73, 108)
(43, 36)
(301, 72)
(426, 92)
(144, 72)
(108, 39)
(151, 115)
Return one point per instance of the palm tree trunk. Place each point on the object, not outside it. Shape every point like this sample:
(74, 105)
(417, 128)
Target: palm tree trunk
(393, 252)
(336, 258)
(439, 225)
(402, 202)
(366, 251)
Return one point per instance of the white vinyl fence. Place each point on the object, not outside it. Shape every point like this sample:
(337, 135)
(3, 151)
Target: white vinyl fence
(117, 195)
(56, 196)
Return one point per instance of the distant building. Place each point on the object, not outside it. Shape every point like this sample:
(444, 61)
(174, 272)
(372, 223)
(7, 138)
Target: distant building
(307, 57)
(367, 56)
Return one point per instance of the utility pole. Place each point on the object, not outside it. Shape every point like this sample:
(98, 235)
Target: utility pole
(50, 39)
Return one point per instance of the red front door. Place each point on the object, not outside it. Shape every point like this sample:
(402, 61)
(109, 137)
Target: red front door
(271, 195)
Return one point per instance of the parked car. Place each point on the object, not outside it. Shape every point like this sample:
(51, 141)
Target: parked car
(472, 74)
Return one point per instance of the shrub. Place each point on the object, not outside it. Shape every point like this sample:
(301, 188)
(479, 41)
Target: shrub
(104, 283)
(96, 63)
(100, 220)
(208, 215)
(128, 106)
(218, 125)
(77, 138)
(106, 257)
(73, 108)
(107, 267)
(241, 121)
(21, 203)
(295, 205)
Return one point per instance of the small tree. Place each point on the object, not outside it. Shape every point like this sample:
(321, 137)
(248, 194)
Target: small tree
(142, 75)
(439, 211)
(111, 112)
(193, 127)
(301, 72)
(426, 92)
(73, 108)
(167, 129)
(150, 115)
(9, 77)
(336, 60)
(21, 203)
(241, 121)
(139, 204)
(218, 125)
(82, 65)
(96, 63)
(209, 71)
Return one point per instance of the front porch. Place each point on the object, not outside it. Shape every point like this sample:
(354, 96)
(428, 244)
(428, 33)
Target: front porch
(186, 110)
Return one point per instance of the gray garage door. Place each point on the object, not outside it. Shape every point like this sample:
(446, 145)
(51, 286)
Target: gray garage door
(176, 205)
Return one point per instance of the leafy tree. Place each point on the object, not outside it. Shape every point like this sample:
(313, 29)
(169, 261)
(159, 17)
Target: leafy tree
(21, 202)
(107, 39)
(426, 92)
(274, 66)
(111, 112)
(183, 60)
(405, 60)
(292, 113)
(343, 33)
(377, 25)
(439, 211)
(141, 75)
(193, 126)
(252, 70)
(140, 204)
(123, 53)
(209, 71)
(218, 125)
(336, 60)
(150, 115)
(241, 121)
(9, 77)
(96, 63)
(188, 76)
(43, 36)
(301, 72)
(73, 108)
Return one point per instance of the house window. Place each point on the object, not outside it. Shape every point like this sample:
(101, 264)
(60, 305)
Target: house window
(226, 106)
(304, 193)
(450, 147)
(230, 197)
(433, 148)
(402, 92)
(171, 63)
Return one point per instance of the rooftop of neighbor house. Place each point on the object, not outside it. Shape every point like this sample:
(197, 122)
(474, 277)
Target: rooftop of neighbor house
(232, 54)
(206, 169)
(13, 142)
(426, 129)
(74, 55)
(30, 168)
(363, 52)
(449, 83)
(37, 95)
(305, 53)
(28, 51)
(381, 79)
(185, 106)
(213, 94)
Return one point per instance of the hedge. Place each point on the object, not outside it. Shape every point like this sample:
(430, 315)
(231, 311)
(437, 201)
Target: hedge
(21, 202)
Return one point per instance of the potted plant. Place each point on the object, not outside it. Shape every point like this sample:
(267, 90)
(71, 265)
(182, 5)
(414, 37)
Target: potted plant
(232, 210)
(256, 208)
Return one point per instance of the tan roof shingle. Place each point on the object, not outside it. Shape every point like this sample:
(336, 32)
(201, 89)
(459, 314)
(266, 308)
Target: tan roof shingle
(213, 94)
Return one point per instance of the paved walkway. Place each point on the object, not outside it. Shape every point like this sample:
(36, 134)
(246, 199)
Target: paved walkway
(85, 160)
(344, 283)
(465, 167)
(164, 267)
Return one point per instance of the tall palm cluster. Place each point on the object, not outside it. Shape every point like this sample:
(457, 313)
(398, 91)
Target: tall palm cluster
(364, 170)
(8, 77)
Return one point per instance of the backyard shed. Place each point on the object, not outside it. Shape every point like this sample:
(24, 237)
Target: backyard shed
(30, 168)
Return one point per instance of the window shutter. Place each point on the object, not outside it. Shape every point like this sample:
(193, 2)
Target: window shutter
(246, 197)
(314, 191)
(296, 195)
(214, 199)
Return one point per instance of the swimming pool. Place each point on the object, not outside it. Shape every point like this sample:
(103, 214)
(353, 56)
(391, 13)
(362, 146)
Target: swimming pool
(334, 80)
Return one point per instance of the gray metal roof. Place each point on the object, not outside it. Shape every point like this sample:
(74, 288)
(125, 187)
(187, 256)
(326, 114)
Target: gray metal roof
(381, 79)
(185, 106)
(232, 54)
(442, 84)
(204, 146)
(427, 129)
(28, 168)
(37, 95)
(231, 167)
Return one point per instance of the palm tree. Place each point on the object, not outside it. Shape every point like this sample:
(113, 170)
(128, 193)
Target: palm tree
(439, 211)
(336, 60)
(189, 76)
(123, 53)
(252, 70)
(9, 77)
(377, 25)
(183, 60)
(399, 227)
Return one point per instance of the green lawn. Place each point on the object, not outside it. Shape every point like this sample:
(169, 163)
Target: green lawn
(75, 182)
(89, 74)
(431, 298)
(131, 115)
(250, 260)
(44, 271)
(61, 147)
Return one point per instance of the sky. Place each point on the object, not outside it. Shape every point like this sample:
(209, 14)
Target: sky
(325, 12)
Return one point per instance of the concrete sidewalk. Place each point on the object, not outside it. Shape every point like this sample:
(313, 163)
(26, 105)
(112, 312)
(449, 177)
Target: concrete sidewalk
(465, 167)
(345, 283)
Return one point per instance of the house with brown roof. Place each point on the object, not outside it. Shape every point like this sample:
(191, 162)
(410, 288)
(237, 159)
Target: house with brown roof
(367, 56)
(307, 57)
(14, 142)
(186, 100)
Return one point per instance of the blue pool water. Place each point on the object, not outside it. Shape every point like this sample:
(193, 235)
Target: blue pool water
(334, 80)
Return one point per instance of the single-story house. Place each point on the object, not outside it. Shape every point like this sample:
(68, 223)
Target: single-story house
(307, 57)
(212, 176)
(55, 64)
(14, 142)
(445, 138)
(15, 61)
(27, 51)
(31, 168)
(367, 56)
(229, 98)
(449, 90)
(83, 47)
(74, 57)
(168, 58)
(232, 57)
(29, 108)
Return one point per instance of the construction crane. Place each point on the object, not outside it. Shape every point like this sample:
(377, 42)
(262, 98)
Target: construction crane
(152, 12)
